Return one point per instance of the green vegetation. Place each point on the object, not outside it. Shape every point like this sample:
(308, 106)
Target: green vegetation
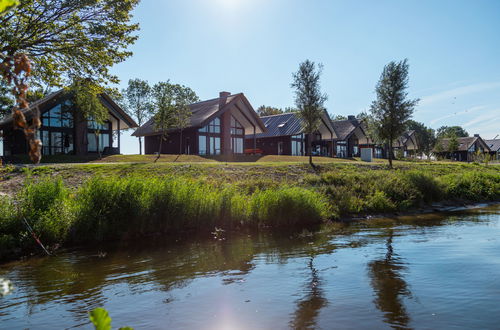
(101, 320)
(82, 204)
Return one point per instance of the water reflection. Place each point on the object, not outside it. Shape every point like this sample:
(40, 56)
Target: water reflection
(389, 286)
(309, 306)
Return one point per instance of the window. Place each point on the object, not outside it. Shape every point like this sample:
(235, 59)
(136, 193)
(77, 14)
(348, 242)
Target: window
(237, 136)
(209, 138)
(103, 139)
(341, 150)
(56, 132)
(297, 145)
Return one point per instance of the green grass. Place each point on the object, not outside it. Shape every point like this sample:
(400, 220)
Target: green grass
(70, 204)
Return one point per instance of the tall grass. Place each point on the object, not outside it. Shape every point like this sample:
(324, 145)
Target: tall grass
(115, 208)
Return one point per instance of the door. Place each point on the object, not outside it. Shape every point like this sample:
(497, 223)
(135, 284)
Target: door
(280, 148)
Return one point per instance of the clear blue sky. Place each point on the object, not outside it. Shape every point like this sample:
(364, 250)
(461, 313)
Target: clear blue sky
(253, 46)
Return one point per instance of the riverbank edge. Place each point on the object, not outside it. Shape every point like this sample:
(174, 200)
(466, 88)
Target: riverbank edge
(441, 208)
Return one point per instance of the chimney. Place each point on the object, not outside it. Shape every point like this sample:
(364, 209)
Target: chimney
(351, 117)
(476, 135)
(223, 98)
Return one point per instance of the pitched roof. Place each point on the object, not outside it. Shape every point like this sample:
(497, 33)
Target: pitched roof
(344, 128)
(464, 143)
(281, 125)
(201, 111)
(494, 144)
(105, 99)
(403, 139)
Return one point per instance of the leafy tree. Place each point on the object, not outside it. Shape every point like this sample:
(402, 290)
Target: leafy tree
(452, 145)
(268, 111)
(451, 131)
(6, 100)
(68, 38)
(138, 102)
(392, 109)
(309, 99)
(86, 95)
(426, 137)
(339, 117)
(6, 5)
(171, 103)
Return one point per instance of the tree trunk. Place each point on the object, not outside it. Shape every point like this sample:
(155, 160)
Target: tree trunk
(309, 147)
(389, 147)
(159, 150)
(180, 144)
(140, 145)
(96, 134)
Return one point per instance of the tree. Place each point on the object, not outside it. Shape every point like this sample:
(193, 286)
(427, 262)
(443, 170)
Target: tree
(426, 137)
(6, 100)
(68, 38)
(309, 99)
(339, 117)
(171, 103)
(451, 131)
(391, 110)
(138, 102)
(268, 111)
(452, 145)
(86, 95)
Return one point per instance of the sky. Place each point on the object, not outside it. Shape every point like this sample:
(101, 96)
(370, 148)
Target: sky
(254, 46)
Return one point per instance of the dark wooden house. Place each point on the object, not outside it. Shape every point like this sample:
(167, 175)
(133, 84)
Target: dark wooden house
(217, 126)
(406, 145)
(65, 131)
(494, 146)
(285, 136)
(351, 136)
(467, 148)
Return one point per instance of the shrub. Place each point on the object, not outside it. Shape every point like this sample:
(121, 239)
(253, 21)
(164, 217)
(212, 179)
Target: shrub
(472, 186)
(379, 202)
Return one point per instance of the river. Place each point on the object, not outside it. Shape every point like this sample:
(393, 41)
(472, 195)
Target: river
(425, 272)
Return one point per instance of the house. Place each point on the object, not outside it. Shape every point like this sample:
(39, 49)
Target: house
(466, 150)
(406, 144)
(285, 136)
(494, 146)
(351, 136)
(64, 130)
(217, 126)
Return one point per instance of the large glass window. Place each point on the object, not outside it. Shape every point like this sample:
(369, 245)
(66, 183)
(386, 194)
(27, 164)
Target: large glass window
(209, 138)
(102, 138)
(237, 136)
(57, 129)
(341, 150)
(297, 145)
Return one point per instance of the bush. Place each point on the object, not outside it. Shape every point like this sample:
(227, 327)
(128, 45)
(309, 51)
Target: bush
(379, 202)
(472, 186)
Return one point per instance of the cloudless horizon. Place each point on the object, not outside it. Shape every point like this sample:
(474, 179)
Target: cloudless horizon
(254, 46)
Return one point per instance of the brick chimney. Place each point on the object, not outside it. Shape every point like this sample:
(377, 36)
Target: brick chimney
(476, 135)
(223, 98)
(351, 117)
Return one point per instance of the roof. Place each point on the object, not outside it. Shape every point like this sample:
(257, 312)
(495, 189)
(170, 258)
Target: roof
(105, 99)
(464, 143)
(281, 125)
(494, 144)
(344, 128)
(404, 138)
(201, 113)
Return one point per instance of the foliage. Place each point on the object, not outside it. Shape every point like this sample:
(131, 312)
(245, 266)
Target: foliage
(101, 319)
(67, 39)
(453, 144)
(339, 117)
(268, 111)
(309, 99)
(171, 103)
(6, 5)
(391, 110)
(451, 131)
(138, 102)
(426, 137)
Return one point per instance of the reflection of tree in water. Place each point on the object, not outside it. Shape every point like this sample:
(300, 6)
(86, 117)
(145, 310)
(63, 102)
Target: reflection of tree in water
(309, 306)
(390, 286)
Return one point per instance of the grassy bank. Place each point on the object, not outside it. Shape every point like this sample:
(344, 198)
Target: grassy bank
(81, 204)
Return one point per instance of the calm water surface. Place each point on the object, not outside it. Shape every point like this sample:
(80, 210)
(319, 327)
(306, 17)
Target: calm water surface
(423, 272)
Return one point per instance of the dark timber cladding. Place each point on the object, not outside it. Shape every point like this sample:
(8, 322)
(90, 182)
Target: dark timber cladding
(64, 130)
(217, 126)
(351, 137)
(285, 136)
